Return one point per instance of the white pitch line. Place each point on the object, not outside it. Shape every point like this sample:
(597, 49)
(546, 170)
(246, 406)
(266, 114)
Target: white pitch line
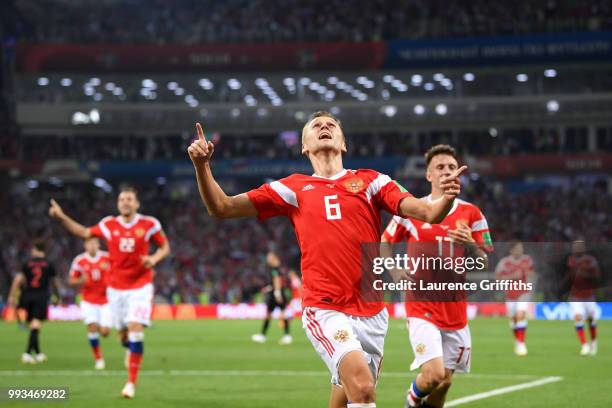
(504, 390)
(227, 373)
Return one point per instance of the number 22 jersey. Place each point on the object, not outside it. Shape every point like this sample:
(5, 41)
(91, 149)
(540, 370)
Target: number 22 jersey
(127, 244)
(332, 218)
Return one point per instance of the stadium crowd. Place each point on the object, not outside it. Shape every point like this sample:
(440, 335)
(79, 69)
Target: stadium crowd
(247, 21)
(287, 145)
(215, 261)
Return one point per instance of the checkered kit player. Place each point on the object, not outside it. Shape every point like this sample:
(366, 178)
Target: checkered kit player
(130, 285)
(333, 211)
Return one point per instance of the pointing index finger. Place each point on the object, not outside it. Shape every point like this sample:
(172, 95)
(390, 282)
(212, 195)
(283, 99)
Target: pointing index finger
(460, 171)
(200, 132)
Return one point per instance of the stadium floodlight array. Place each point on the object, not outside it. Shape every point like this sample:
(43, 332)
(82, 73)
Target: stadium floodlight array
(277, 89)
(375, 100)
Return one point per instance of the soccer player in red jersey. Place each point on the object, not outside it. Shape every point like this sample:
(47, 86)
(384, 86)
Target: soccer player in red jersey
(89, 272)
(333, 212)
(517, 266)
(130, 285)
(439, 334)
(584, 274)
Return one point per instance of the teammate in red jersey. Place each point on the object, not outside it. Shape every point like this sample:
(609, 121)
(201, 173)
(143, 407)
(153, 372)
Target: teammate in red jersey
(89, 272)
(519, 267)
(439, 334)
(333, 212)
(130, 284)
(584, 274)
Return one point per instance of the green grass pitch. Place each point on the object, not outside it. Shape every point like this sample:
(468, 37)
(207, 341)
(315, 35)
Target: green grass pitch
(214, 364)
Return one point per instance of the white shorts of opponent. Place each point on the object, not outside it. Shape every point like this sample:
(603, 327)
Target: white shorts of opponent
(429, 342)
(131, 305)
(334, 334)
(588, 310)
(98, 314)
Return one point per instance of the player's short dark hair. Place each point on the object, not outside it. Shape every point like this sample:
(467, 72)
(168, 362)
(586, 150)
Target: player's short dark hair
(39, 244)
(129, 189)
(440, 149)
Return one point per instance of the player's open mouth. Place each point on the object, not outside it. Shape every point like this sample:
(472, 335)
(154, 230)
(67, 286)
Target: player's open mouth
(325, 135)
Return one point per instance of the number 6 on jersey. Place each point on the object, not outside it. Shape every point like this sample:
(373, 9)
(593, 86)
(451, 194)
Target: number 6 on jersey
(332, 209)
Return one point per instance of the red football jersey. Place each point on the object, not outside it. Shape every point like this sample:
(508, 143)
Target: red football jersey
(332, 218)
(509, 266)
(127, 244)
(96, 271)
(584, 274)
(449, 315)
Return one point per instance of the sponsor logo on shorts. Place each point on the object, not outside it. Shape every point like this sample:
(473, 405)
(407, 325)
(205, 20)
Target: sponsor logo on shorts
(341, 336)
(420, 349)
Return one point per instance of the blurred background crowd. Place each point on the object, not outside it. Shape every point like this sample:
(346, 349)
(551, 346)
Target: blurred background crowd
(95, 94)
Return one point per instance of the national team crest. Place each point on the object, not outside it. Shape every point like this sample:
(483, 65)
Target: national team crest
(354, 185)
(104, 265)
(420, 349)
(341, 336)
(139, 232)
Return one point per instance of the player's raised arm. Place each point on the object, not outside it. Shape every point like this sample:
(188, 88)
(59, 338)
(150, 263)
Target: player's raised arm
(434, 212)
(71, 225)
(217, 203)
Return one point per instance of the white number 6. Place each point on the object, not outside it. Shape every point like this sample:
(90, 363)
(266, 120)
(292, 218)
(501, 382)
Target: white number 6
(332, 210)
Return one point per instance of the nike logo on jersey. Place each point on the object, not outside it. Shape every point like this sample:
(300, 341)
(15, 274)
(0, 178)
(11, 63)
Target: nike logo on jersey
(444, 227)
(308, 187)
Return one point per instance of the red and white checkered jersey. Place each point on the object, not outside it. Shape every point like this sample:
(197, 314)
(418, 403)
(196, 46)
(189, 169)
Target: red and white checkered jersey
(127, 244)
(332, 218)
(447, 315)
(96, 270)
(522, 266)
